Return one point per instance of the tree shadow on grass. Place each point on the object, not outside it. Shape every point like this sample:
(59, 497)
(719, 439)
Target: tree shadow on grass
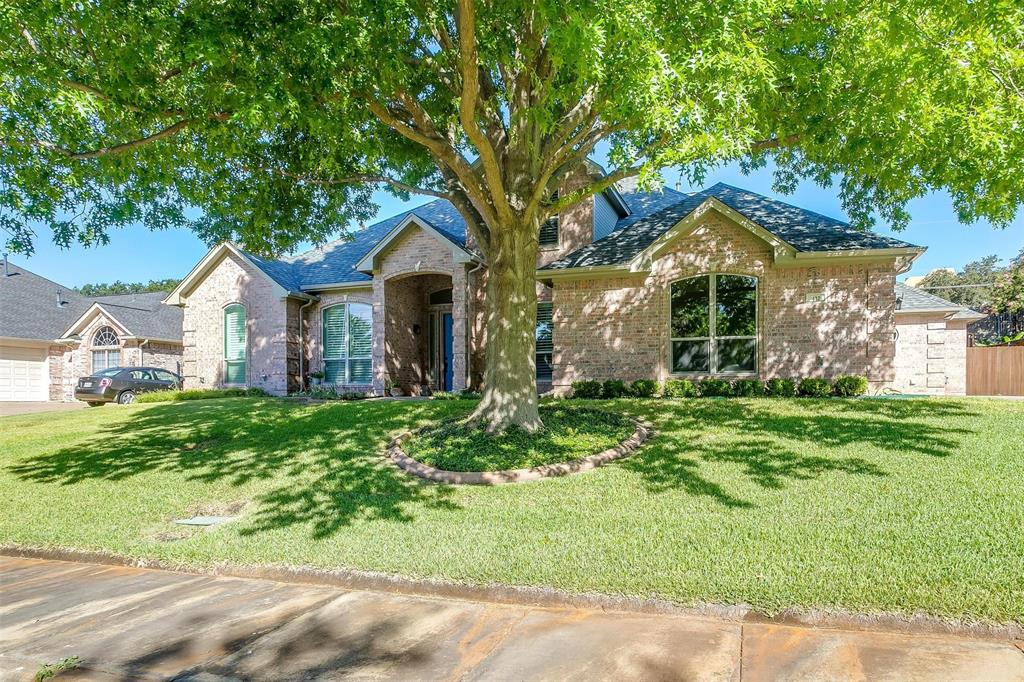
(327, 458)
(770, 444)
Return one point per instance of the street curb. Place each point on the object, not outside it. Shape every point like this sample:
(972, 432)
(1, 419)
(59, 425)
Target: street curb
(642, 431)
(541, 597)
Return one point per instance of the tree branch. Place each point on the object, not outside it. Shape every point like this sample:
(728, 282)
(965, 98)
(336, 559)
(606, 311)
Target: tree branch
(470, 68)
(354, 179)
(170, 130)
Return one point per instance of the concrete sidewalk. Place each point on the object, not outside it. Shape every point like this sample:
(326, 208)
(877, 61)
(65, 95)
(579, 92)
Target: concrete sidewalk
(130, 623)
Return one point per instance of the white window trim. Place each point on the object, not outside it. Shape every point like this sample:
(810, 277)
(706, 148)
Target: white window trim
(712, 339)
(345, 358)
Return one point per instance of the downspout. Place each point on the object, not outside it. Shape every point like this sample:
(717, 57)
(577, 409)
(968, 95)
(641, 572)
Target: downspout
(302, 342)
(142, 353)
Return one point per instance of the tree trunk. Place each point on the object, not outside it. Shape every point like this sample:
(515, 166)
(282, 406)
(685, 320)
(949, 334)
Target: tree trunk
(510, 375)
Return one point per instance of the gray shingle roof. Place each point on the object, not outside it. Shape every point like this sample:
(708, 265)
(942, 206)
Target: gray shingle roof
(29, 306)
(651, 215)
(145, 315)
(913, 300)
(29, 309)
(804, 230)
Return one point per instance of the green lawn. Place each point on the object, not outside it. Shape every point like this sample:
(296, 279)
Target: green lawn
(571, 430)
(858, 504)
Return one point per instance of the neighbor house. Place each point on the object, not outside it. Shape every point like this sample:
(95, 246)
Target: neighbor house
(50, 335)
(632, 284)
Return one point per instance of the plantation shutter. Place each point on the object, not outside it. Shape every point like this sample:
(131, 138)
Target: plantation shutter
(549, 228)
(545, 343)
(234, 344)
(334, 344)
(360, 343)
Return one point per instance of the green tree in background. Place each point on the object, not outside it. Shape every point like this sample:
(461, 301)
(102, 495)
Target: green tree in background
(971, 286)
(119, 287)
(1008, 292)
(279, 119)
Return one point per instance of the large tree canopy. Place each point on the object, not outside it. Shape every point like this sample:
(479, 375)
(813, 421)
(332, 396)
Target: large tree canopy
(277, 119)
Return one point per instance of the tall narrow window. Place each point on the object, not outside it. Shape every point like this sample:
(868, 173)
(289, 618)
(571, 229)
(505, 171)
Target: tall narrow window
(713, 324)
(549, 228)
(545, 345)
(234, 344)
(106, 349)
(348, 343)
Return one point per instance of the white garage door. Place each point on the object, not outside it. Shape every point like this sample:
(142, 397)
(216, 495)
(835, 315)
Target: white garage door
(23, 374)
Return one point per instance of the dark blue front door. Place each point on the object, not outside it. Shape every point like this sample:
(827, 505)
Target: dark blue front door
(449, 373)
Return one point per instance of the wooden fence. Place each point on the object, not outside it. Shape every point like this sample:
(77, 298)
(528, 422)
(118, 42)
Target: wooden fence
(995, 370)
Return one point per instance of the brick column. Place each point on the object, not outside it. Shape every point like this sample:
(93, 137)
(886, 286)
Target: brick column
(379, 367)
(460, 340)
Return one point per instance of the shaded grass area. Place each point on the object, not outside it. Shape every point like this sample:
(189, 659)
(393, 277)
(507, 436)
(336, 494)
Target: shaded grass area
(570, 432)
(856, 504)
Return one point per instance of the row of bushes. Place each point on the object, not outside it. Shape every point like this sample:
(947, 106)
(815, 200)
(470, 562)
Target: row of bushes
(845, 386)
(464, 394)
(200, 394)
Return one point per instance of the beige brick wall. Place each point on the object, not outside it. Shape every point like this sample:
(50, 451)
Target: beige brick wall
(234, 281)
(931, 354)
(618, 327)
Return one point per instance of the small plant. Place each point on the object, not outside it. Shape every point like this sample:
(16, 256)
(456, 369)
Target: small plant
(587, 390)
(679, 388)
(748, 388)
(614, 388)
(319, 374)
(780, 388)
(644, 388)
(715, 388)
(53, 669)
(815, 387)
(466, 394)
(850, 385)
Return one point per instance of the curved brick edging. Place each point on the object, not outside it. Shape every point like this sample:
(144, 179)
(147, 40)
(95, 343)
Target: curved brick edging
(542, 597)
(641, 433)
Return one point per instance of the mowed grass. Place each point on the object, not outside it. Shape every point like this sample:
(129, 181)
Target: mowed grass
(862, 505)
(571, 430)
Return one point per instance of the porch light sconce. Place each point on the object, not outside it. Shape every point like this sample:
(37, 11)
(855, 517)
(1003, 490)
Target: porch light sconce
(416, 329)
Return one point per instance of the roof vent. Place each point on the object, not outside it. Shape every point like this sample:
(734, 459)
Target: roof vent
(6, 273)
(60, 299)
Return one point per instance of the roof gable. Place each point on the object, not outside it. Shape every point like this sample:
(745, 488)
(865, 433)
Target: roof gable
(798, 230)
(371, 261)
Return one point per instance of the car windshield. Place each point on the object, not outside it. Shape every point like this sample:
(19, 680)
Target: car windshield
(108, 372)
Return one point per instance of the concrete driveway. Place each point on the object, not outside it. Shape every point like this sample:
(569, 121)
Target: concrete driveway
(128, 623)
(8, 409)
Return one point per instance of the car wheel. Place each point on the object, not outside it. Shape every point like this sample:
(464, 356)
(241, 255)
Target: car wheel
(126, 398)
(95, 403)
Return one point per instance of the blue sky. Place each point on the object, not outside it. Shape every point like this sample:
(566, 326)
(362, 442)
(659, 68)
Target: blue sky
(137, 254)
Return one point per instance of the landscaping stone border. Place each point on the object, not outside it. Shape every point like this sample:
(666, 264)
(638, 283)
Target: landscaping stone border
(641, 433)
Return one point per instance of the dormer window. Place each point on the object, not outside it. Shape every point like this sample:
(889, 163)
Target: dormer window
(549, 228)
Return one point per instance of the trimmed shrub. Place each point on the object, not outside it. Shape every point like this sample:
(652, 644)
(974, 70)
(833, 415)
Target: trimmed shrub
(615, 388)
(748, 388)
(813, 387)
(644, 388)
(849, 385)
(587, 390)
(680, 388)
(466, 394)
(200, 394)
(715, 388)
(781, 388)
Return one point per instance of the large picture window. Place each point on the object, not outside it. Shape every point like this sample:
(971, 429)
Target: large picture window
(106, 353)
(713, 324)
(348, 343)
(234, 344)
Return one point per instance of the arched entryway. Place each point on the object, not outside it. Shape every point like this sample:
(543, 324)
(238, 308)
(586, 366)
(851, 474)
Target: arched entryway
(423, 334)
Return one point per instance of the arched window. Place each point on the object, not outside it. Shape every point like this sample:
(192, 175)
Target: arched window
(713, 324)
(234, 344)
(106, 349)
(348, 343)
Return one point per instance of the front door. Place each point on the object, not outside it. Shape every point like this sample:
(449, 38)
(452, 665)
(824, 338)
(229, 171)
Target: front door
(448, 371)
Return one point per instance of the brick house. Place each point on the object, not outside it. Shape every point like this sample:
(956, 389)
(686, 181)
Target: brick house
(631, 284)
(50, 335)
